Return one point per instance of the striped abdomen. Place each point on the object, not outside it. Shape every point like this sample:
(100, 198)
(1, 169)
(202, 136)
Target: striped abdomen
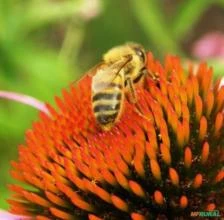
(107, 105)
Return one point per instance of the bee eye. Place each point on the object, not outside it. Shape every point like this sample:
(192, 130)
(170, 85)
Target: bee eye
(140, 53)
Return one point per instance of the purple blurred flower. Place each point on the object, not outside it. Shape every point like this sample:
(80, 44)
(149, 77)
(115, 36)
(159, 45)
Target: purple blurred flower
(211, 45)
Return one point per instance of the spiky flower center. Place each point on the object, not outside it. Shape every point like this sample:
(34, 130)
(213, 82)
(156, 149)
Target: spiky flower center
(164, 165)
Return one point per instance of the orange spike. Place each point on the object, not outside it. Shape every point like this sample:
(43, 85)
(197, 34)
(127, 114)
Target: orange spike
(122, 166)
(198, 107)
(151, 152)
(103, 194)
(158, 197)
(82, 204)
(220, 99)
(51, 187)
(19, 211)
(175, 82)
(61, 214)
(165, 152)
(189, 91)
(70, 167)
(121, 179)
(171, 93)
(206, 81)
(173, 121)
(136, 188)
(127, 154)
(174, 177)
(17, 175)
(195, 85)
(19, 208)
(33, 180)
(183, 96)
(197, 181)
(139, 150)
(177, 106)
(202, 128)
(137, 216)
(211, 207)
(164, 133)
(59, 178)
(39, 217)
(36, 199)
(94, 217)
(89, 185)
(163, 87)
(209, 103)
(218, 123)
(56, 199)
(109, 177)
(152, 137)
(75, 198)
(205, 153)
(183, 202)
(155, 168)
(187, 157)
(83, 168)
(77, 181)
(220, 176)
(96, 173)
(139, 167)
(185, 112)
(119, 203)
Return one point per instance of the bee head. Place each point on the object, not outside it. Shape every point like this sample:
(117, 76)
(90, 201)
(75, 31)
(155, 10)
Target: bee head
(139, 51)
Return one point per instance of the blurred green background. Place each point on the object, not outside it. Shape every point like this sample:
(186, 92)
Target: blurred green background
(46, 44)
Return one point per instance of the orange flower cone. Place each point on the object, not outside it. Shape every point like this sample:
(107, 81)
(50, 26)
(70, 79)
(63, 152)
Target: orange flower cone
(161, 168)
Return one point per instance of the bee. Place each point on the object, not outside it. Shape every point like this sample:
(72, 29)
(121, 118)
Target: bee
(114, 80)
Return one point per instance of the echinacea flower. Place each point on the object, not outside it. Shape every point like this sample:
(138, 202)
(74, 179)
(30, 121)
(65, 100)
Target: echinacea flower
(161, 166)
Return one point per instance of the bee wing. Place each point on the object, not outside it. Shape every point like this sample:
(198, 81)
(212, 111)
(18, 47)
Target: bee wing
(105, 75)
(90, 73)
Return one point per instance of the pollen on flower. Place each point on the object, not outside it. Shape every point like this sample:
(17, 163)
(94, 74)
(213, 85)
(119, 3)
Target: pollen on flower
(161, 166)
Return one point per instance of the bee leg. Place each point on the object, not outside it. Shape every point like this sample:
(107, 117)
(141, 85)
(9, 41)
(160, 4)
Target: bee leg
(153, 76)
(134, 99)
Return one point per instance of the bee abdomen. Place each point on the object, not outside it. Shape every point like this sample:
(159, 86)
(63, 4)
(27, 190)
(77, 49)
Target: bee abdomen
(106, 96)
(106, 106)
(105, 119)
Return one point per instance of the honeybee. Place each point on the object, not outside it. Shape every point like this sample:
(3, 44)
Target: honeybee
(114, 80)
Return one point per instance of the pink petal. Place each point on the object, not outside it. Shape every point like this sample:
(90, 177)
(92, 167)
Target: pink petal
(25, 99)
(4, 215)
